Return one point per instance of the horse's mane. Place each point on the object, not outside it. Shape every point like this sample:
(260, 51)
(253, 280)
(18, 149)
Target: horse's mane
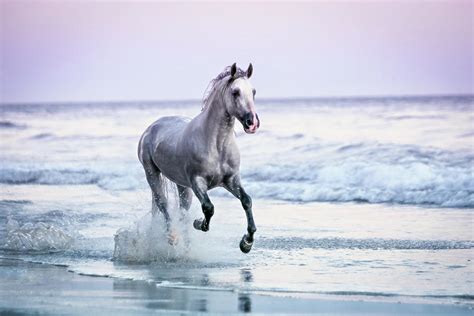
(214, 83)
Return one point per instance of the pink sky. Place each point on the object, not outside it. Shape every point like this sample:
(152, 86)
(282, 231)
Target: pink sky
(96, 51)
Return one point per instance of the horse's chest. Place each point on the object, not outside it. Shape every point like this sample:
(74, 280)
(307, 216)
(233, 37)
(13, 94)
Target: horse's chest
(217, 171)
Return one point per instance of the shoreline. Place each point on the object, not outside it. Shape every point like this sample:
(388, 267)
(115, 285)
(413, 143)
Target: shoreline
(52, 289)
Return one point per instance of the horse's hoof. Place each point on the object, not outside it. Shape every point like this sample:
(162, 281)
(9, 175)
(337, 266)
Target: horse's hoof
(173, 238)
(200, 224)
(245, 246)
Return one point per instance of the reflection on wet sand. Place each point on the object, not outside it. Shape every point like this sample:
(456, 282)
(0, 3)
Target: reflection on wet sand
(29, 288)
(246, 275)
(245, 303)
(157, 297)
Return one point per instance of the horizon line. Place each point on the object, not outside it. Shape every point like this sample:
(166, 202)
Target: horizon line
(264, 99)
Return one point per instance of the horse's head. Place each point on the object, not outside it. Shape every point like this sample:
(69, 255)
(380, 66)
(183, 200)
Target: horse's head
(240, 99)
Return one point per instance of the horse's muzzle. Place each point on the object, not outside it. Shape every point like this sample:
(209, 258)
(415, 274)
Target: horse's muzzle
(251, 122)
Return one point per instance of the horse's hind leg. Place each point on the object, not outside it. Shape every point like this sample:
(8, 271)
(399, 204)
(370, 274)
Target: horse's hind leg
(157, 186)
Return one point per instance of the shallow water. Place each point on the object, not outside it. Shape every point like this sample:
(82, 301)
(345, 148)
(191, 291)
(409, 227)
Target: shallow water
(365, 196)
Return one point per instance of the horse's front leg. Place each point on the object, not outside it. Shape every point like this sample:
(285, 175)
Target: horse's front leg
(199, 187)
(233, 186)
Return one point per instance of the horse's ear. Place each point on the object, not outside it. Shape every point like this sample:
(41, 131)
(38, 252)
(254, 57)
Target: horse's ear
(249, 70)
(233, 70)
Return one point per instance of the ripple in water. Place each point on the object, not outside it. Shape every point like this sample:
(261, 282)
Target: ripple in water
(290, 243)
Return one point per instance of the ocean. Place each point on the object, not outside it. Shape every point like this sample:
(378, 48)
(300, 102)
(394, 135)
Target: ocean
(359, 197)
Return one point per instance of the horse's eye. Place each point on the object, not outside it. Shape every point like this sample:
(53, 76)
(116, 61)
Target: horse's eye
(254, 91)
(235, 93)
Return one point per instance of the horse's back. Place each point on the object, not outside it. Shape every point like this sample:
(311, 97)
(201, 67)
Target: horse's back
(166, 130)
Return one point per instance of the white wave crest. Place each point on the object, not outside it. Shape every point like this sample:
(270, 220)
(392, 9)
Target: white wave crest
(382, 175)
(117, 178)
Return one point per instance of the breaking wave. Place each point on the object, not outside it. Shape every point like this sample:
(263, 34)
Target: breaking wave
(120, 178)
(314, 172)
(48, 176)
(367, 173)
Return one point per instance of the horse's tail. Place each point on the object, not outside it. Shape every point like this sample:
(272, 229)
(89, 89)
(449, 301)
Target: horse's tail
(169, 188)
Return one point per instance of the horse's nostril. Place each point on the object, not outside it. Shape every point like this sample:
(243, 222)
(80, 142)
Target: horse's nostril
(248, 122)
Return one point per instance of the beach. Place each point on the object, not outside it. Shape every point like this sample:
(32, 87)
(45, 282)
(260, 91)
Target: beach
(33, 288)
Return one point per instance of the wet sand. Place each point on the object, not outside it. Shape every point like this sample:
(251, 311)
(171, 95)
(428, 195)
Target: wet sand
(30, 288)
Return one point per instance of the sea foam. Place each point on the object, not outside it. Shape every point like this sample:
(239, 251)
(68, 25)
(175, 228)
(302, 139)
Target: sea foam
(372, 173)
(35, 237)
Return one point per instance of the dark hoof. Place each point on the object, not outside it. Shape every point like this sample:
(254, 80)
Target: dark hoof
(200, 224)
(245, 246)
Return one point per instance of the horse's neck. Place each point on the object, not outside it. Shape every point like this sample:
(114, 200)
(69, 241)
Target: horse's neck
(218, 124)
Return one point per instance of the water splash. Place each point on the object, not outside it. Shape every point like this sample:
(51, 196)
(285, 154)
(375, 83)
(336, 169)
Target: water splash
(147, 240)
(35, 237)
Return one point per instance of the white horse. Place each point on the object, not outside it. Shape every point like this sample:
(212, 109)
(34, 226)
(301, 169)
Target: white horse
(200, 154)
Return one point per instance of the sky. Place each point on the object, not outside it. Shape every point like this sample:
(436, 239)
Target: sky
(64, 51)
